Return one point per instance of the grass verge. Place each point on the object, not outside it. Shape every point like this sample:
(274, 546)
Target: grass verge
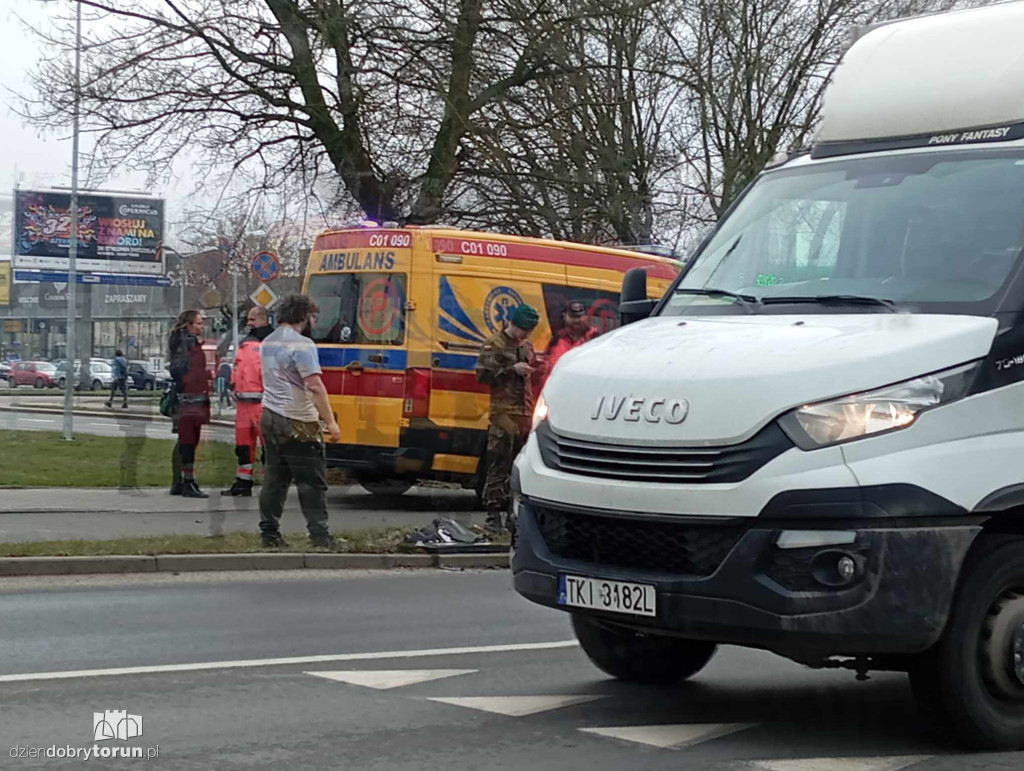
(44, 459)
(371, 541)
(377, 541)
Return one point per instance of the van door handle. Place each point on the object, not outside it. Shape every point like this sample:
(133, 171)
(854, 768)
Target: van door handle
(376, 358)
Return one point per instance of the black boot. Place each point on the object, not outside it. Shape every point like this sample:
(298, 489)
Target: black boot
(272, 541)
(325, 541)
(492, 525)
(191, 490)
(176, 487)
(242, 487)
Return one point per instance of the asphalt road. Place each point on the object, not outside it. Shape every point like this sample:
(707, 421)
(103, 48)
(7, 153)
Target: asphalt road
(113, 426)
(475, 684)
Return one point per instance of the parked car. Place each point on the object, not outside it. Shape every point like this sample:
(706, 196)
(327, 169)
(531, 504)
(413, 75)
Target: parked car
(5, 370)
(101, 375)
(39, 374)
(142, 376)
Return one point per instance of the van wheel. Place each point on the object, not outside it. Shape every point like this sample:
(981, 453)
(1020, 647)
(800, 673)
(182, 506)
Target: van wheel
(391, 487)
(640, 658)
(971, 684)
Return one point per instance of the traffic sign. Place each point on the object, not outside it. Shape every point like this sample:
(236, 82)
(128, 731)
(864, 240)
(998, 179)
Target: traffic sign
(266, 266)
(264, 296)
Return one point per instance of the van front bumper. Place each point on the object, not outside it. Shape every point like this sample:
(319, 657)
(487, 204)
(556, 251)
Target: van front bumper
(728, 580)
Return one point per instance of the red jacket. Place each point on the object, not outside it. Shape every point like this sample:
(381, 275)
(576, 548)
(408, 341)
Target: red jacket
(560, 345)
(247, 377)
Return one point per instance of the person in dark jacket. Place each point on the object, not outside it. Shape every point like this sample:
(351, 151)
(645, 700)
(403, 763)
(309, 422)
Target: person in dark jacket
(192, 385)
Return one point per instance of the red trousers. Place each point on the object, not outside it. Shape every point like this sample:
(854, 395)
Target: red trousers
(247, 428)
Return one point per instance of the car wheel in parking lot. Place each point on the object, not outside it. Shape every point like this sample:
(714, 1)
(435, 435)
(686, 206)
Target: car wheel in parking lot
(148, 385)
(96, 385)
(39, 382)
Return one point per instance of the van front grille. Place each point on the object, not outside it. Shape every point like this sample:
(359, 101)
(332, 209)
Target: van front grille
(673, 547)
(663, 465)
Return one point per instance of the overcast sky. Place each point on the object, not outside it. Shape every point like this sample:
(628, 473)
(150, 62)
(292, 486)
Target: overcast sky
(42, 159)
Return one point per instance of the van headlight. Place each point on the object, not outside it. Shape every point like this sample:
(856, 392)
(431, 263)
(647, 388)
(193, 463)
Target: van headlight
(540, 412)
(874, 412)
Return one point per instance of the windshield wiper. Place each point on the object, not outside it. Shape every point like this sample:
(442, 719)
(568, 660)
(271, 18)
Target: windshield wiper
(832, 299)
(748, 301)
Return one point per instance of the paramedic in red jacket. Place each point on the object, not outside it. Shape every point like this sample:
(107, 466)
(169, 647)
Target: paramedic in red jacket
(576, 330)
(247, 383)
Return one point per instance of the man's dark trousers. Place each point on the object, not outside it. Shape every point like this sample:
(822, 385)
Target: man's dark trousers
(119, 384)
(290, 458)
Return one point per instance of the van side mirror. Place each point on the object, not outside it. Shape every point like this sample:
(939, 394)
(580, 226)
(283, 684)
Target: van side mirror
(634, 304)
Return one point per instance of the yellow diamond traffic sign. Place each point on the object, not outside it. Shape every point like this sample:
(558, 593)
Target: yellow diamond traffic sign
(264, 296)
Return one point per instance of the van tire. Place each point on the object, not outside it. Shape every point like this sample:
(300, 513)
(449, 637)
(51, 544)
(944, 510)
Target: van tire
(386, 487)
(640, 658)
(967, 683)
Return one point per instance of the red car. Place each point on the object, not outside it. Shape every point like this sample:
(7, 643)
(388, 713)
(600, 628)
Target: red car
(40, 374)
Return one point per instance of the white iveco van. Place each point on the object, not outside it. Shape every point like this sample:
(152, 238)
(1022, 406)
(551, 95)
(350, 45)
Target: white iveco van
(814, 443)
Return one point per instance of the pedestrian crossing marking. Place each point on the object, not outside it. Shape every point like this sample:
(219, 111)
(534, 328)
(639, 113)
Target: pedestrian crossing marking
(842, 764)
(390, 678)
(670, 736)
(516, 706)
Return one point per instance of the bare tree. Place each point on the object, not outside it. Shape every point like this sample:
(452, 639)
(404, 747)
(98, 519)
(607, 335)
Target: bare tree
(756, 72)
(381, 94)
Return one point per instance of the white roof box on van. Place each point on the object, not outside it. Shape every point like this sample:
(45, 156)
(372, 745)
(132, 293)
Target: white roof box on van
(950, 78)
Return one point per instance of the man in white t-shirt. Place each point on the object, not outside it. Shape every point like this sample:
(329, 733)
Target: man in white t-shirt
(296, 411)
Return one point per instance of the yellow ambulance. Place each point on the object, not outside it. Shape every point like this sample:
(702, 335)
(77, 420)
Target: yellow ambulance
(403, 313)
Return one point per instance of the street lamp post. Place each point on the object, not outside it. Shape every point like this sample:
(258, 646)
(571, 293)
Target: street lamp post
(69, 377)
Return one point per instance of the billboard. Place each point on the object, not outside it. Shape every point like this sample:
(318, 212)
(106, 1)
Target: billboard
(5, 283)
(116, 233)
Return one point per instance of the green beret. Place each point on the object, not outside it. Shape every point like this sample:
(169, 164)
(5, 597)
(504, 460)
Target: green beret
(525, 317)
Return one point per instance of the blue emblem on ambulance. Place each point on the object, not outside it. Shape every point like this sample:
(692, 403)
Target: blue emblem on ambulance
(499, 305)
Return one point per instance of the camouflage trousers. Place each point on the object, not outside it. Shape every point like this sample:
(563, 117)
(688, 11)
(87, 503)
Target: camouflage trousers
(505, 438)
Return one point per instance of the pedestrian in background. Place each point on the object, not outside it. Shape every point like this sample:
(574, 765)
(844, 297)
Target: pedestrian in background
(192, 386)
(223, 384)
(506, 364)
(119, 368)
(247, 385)
(296, 410)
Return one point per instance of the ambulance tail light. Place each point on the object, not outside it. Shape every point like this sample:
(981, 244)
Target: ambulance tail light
(417, 393)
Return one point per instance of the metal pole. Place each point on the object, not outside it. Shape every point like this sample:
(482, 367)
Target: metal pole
(69, 372)
(181, 295)
(234, 309)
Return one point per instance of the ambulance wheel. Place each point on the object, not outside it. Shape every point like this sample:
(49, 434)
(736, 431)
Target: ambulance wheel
(640, 658)
(384, 487)
(971, 683)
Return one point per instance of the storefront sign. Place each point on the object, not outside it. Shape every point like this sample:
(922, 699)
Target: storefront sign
(5, 283)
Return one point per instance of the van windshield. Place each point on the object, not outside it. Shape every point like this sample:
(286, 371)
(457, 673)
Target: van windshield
(359, 308)
(937, 232)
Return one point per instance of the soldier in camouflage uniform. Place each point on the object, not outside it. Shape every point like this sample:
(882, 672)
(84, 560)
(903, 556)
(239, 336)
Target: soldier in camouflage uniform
(506, 364)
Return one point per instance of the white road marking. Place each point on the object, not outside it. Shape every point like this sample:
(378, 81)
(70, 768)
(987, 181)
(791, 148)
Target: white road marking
(371, 656)
(390, 678)
(671, 736)
(516, 706)
(842, 764)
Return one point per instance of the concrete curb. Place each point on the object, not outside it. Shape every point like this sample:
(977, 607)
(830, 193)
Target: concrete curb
(188, 563)
(107, 414)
